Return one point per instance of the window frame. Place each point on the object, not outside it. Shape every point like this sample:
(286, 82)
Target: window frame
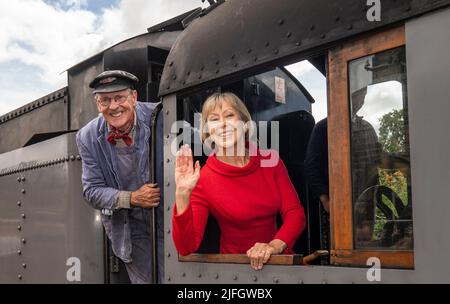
(342, 247)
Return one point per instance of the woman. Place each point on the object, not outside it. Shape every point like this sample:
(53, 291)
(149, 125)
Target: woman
(237, 186)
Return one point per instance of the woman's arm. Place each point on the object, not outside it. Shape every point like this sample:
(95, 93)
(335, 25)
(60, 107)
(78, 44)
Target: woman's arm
(190, 213)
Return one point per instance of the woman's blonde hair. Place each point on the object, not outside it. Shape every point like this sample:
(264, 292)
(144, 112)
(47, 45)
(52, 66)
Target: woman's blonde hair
(217, 99)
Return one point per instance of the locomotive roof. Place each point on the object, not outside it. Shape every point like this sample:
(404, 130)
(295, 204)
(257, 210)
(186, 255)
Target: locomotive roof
(240, 34)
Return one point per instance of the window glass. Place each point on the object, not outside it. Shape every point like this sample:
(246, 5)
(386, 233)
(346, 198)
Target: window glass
(380, 158)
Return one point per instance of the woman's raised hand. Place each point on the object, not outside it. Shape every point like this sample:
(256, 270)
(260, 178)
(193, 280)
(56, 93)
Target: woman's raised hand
(186, 175)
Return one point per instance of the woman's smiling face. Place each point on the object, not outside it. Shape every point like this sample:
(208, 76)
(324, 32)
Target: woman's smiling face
(225, 126)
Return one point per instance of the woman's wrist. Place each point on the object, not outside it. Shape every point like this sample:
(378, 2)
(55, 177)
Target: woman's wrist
(278, 245)
(182, 193)
(182, 198)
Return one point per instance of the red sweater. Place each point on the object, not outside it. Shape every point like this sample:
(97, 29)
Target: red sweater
(245, 202)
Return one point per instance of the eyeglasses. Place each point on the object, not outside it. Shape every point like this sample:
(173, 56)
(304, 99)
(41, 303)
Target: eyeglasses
(106, 101)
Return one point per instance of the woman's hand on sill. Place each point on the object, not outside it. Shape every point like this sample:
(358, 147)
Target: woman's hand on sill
(260, 253)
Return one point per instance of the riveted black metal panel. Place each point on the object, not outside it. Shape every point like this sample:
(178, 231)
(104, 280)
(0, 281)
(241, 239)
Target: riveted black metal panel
(241, 34)
(47, 114)
(45, 220)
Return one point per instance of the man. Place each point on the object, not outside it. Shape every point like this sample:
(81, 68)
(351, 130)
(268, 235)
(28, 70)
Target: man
(316, 164)
(115, 154)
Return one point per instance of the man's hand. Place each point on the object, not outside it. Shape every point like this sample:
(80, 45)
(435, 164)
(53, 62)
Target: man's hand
(148, 196)
(325, 199)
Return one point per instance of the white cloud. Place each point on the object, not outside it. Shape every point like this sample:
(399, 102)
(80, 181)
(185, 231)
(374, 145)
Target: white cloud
(49, 38)
(381, 99)
(315, 83)
(300, 68)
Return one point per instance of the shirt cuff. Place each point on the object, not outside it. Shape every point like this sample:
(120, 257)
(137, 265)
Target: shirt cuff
(123, 200)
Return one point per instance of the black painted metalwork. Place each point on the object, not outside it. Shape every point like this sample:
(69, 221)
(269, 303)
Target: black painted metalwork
(243, 34)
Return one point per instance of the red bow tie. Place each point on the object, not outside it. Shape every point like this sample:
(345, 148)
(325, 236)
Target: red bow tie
(112, 137)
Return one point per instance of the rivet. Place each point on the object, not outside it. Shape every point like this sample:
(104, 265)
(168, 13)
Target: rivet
(276, 51)
(217, 62)
(255, 58)
(67, 158)
(23, 178)
(216, 276)
(171, 63)
(168, 208)
(288, 35)
(183, 274)
(23, 191)
(276, 280)
(349, 27)
(19, 179)
(78, 157)
(23, 215)
(235, 65)
(267, 44)
(199, 275)
(337, 18)
(168, 87)
(298, 43)
(167, 112)
(184, 82)
(249, 51)
(19, 203)
(169, 279)
(168, 231)
(188, 73)
(217, 71)
(24, 265)
(23, 240)
(300, 281)
(168, 254)
(19, 227)
(281, 22)
(322, 36)
(408, 8)
(254, 278)
(168, 184)
(312, 27)
(174, 77)
(19, 252)
(233, 56)
(168, 160)
(202, 68)
(72, 157)
(200, 76)
(19, 277)
(235, 277)
(324, 282)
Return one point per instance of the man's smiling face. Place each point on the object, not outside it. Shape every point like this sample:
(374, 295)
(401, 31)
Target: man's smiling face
(118, 108)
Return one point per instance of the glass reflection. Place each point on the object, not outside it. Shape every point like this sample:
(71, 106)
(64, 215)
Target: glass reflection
(381, 179)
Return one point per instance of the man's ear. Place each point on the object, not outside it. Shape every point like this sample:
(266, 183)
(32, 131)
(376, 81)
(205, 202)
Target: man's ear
(97, 104)
(135, 96)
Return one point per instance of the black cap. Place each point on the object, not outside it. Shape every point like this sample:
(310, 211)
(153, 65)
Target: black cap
(113, 81)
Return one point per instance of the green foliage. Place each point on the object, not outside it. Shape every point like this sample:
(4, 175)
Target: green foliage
(397, 181)
(393, 136)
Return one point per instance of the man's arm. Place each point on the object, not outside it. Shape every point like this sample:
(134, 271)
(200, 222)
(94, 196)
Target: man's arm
(316, 161)
(95, 189)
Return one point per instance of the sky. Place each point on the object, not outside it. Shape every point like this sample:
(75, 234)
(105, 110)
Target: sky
(41, 39)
